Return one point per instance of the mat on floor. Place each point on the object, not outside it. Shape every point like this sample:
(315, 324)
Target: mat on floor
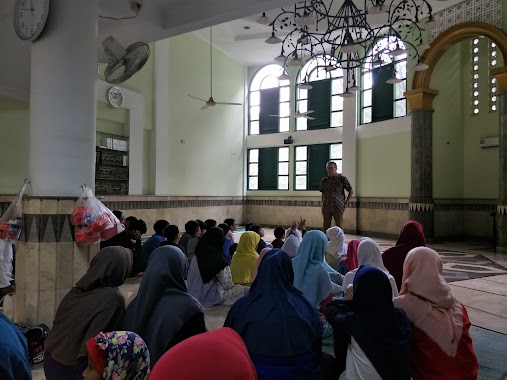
(491, 350)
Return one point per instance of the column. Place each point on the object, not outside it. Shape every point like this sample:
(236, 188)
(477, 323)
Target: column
(501, 77)
(161, 135)
(349, 156)
(61, 158)
(421, 206)
(63, 100)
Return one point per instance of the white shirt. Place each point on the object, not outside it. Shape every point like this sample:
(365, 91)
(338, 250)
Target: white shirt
(358, 366)
(349, 280)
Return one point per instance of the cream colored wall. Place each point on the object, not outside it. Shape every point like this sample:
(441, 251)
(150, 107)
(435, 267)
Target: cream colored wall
(383, 166)
(205, 146)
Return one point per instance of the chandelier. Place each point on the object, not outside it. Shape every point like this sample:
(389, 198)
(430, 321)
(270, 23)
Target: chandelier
(340, 30)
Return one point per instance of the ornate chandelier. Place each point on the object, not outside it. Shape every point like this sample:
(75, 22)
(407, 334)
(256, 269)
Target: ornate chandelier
(340, 30)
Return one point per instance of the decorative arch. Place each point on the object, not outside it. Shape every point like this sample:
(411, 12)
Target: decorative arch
(449, 38)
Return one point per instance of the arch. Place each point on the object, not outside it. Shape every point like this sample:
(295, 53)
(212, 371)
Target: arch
(449, 38)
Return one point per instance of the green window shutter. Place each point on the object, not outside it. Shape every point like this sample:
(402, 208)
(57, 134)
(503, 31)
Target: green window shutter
(319, 100)
(318, 157)
(268, 169)
(382, 94)
(269, 105)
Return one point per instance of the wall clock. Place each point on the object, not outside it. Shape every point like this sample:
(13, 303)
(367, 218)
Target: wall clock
(115, 96)
(30, 17)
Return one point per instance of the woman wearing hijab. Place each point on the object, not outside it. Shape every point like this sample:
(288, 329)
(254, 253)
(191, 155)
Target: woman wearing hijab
(95, 304)
(350, 261)
(117, 355)
(209, 276)
(163, 313)
(261, 255)
(372, 337)
(336, 247)
(279, 325)
(411, 236)
(291, 245)
(14, 364)
(368, 253)
(220, 354)
(244, 260)
(441, 343)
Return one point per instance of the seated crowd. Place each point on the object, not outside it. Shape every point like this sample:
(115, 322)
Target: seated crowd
(308, 305)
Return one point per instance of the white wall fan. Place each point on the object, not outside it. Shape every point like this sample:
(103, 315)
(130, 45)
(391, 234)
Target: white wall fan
(211, 102)
(124, 63)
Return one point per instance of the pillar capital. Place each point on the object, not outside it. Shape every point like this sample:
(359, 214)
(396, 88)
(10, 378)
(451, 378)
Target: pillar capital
(421, 98)
(500, 74)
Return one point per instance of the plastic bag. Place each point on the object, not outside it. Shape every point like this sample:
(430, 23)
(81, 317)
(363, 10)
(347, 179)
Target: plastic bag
(93, 221)
(12, 219)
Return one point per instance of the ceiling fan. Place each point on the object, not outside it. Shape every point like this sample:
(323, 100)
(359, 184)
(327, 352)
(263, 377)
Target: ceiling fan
(298, 114)
(211, 102)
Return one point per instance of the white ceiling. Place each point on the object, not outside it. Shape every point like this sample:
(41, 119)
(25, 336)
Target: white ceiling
(160, 19)
(247, 45)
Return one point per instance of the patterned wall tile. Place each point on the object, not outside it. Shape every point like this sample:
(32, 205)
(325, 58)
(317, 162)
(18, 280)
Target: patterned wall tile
(489, 11)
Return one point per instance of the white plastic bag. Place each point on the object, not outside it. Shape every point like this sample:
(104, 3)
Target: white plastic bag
(11, 221)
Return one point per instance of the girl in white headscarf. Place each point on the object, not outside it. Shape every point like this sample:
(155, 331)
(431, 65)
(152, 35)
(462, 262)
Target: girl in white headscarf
(291, 245)
(368, 253)
(336, 247)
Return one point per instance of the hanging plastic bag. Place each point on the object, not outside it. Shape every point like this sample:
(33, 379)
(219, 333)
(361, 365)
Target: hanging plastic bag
(12, 219)
(92, 220)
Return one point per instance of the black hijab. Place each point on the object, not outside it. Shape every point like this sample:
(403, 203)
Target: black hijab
(209, 254)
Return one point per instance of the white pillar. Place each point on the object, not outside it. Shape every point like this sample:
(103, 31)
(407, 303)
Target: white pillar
(349, 140)
(63, 100)
(161, 136)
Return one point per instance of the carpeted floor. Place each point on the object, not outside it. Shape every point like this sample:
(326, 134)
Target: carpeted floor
(491, 350)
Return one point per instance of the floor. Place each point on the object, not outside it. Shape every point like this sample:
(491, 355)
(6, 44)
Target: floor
(477, 275)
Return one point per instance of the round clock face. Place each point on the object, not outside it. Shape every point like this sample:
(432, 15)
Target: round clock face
(115, 97)
(30, 17)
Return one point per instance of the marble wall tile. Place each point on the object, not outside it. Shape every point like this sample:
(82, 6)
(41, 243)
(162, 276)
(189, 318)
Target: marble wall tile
(80, 265)
(32, 266)
(65, 265)
(477, 224)
(21, 269)
(47, 306)
(48, 206)
(381, 221)
(448, 223)
(47, 266)
(31, 206)
(65, 206)
(19, 305)
(31, 307)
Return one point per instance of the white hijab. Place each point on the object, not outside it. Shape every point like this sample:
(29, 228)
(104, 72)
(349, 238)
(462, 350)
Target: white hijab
(369, 253)
(336, 245)
(291, 245)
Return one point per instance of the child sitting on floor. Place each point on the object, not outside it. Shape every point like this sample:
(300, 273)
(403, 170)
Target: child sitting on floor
(279, 235)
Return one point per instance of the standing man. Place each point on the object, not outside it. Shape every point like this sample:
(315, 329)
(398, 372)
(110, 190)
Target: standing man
(333, 189)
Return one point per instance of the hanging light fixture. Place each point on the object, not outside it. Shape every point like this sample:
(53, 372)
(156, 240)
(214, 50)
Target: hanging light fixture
(284, 76)
(305, 86)
(394, 80)
(340, 29)
(421, 66)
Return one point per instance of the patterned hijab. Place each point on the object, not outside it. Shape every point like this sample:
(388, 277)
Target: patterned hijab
(119, 355)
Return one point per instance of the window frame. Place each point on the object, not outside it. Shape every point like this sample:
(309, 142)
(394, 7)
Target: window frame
(377, 50)
(314, 68)
(278, 163)
(330, 158)
(256, 85)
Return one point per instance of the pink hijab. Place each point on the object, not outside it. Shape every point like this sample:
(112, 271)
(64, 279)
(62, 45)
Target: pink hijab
(261, 255)
(428, 300)
(351, 260)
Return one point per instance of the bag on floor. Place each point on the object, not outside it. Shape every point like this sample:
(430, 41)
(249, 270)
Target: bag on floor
(35, 336)
(92, 220)
(12, 219)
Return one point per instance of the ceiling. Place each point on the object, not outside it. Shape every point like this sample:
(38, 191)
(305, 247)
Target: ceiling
(160, 19)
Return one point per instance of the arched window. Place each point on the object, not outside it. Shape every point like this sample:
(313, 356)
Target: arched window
(384, 82)
(323, 98)
(269, 101)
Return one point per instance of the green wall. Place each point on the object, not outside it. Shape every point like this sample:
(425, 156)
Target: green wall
(461, 168)
(383, 166)
(205, 146)
(14, 121)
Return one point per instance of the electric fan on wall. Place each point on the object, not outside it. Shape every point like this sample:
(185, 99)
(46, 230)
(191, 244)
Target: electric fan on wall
(124, 63)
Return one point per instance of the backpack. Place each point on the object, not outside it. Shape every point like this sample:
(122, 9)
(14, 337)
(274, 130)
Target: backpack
(35, 336)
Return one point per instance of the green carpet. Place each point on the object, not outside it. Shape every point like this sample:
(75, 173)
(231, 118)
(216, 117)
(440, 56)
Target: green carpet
(491, 350)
